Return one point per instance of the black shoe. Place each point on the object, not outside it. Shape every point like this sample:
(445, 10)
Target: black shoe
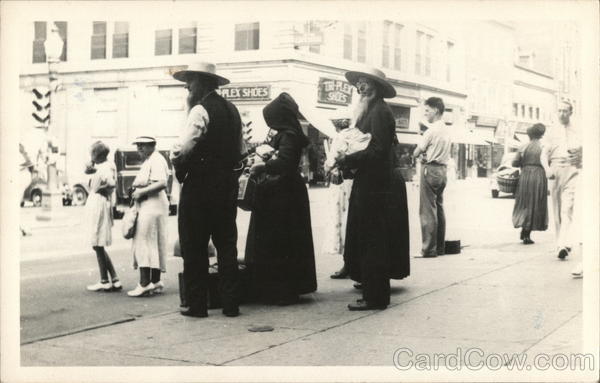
(233, 312)
(563, 253)
(358, 286)
(527, 241)
(340, 274)
(362, 305)
(429, 256)
(194, 313)
(522, 235)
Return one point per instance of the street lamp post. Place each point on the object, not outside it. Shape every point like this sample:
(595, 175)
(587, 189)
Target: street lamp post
(52, 197)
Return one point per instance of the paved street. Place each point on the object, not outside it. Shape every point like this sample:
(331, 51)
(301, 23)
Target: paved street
(497, 295)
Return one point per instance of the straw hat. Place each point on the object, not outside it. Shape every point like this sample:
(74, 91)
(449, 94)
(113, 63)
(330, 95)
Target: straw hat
(201, 68)
(375, 75)
(144, 140)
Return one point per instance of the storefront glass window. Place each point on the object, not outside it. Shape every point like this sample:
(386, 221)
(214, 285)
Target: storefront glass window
(401, 116)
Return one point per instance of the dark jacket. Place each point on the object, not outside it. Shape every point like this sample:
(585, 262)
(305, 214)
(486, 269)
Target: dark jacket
(279, 248)
(376, 246)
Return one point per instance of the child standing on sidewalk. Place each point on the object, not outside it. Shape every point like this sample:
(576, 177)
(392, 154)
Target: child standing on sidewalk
(100, 220)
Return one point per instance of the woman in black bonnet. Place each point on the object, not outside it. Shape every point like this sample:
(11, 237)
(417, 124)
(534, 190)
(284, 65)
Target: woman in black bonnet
(279, 249)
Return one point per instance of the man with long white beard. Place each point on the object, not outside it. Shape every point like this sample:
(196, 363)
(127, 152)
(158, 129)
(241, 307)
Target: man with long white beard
(376, 247)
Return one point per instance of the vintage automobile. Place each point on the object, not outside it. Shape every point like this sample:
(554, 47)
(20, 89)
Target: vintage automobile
(37, 187)
(506, 177)
(128, 162)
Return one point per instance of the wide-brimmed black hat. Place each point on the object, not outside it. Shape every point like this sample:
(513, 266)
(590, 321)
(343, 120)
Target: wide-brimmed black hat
(375, 75)
(203, 69)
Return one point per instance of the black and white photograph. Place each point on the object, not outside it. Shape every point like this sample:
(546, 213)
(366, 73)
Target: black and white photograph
(299, 191)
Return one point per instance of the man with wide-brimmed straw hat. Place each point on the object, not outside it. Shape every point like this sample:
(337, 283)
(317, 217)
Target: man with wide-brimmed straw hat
(376, 247)
(205, 156)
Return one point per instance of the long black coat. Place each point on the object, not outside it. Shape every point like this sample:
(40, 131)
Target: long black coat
(377, 237)
(279, 249)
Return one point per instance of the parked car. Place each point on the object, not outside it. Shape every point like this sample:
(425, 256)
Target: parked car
(38, 187)
(128, 162)
(506, 177)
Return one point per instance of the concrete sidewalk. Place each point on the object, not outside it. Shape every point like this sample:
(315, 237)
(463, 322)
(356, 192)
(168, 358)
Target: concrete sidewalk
(513, 299)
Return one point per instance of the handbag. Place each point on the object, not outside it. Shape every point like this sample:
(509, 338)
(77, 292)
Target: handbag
(246, 191)
(130, 221)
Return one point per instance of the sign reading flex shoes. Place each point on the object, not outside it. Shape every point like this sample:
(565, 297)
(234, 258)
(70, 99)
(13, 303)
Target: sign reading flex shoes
(246, 93)
(335, 92)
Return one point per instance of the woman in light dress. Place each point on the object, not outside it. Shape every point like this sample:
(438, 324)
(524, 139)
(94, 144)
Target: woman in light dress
(99, 215)
(150, 240)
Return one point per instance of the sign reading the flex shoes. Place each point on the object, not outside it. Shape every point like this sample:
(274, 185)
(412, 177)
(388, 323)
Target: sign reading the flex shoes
(246, 93)
(335, 92)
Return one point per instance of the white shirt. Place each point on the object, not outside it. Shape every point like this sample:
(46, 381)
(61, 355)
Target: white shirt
(193, 130)
(436, 143)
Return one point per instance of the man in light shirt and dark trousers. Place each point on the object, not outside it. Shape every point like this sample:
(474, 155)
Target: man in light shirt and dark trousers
(435, 147)
(205, 156)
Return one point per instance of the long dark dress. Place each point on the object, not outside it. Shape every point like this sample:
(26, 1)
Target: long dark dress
(531, 199)
(377, 246)
(279, 250)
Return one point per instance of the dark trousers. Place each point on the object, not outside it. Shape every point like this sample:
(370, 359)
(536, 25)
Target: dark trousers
(431, 209)
(207, 210)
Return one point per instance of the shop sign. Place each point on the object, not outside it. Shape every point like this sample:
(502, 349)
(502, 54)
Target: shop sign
(246, 93)
(337, 92)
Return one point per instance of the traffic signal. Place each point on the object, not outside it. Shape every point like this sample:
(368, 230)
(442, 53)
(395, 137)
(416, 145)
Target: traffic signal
(41, 104)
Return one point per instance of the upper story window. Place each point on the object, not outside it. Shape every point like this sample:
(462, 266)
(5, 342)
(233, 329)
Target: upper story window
(121, 40)
(398, 47)
(187, 40)
(163, 42)
(385, 46)
(39, 53)
(423, 54)
(313, 30)
(347, 41)
(41, 31)
(247, 36)
(449, 60)
(361, 43)
(98, 40)
(515, 110)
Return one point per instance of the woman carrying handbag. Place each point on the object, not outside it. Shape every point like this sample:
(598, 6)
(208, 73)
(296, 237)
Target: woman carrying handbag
(149, 245)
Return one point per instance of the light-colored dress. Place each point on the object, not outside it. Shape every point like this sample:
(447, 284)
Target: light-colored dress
(149, 245)
(98, 207)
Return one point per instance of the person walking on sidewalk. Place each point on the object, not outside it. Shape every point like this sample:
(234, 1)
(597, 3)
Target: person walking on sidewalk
(149, 245)
(564, 153)
(435, 146)
(531, 199)
(370, 250)
(280, 256)
(99, 215)
(205, 158)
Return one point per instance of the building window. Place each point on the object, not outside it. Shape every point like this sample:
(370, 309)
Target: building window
(418, 57)
(247, 36)
(537, 113)
(450, 60)
(401, 116)
(121, 40)
(361, 46)
(385, 46)
(187, 40)
(105, 121)
(398, 47)
(347, 41)
(515, 110)
(39, 53)
(523, 111)
(98, 40)
(163, 43)
(313, 30)
(41, 31)
(531, 113)
(62, 31)
(428, 40)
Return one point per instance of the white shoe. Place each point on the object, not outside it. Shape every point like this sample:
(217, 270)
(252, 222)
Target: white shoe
(140, 291)
(158, 287)
(577, 271)
(117, 285)
(100, 286)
